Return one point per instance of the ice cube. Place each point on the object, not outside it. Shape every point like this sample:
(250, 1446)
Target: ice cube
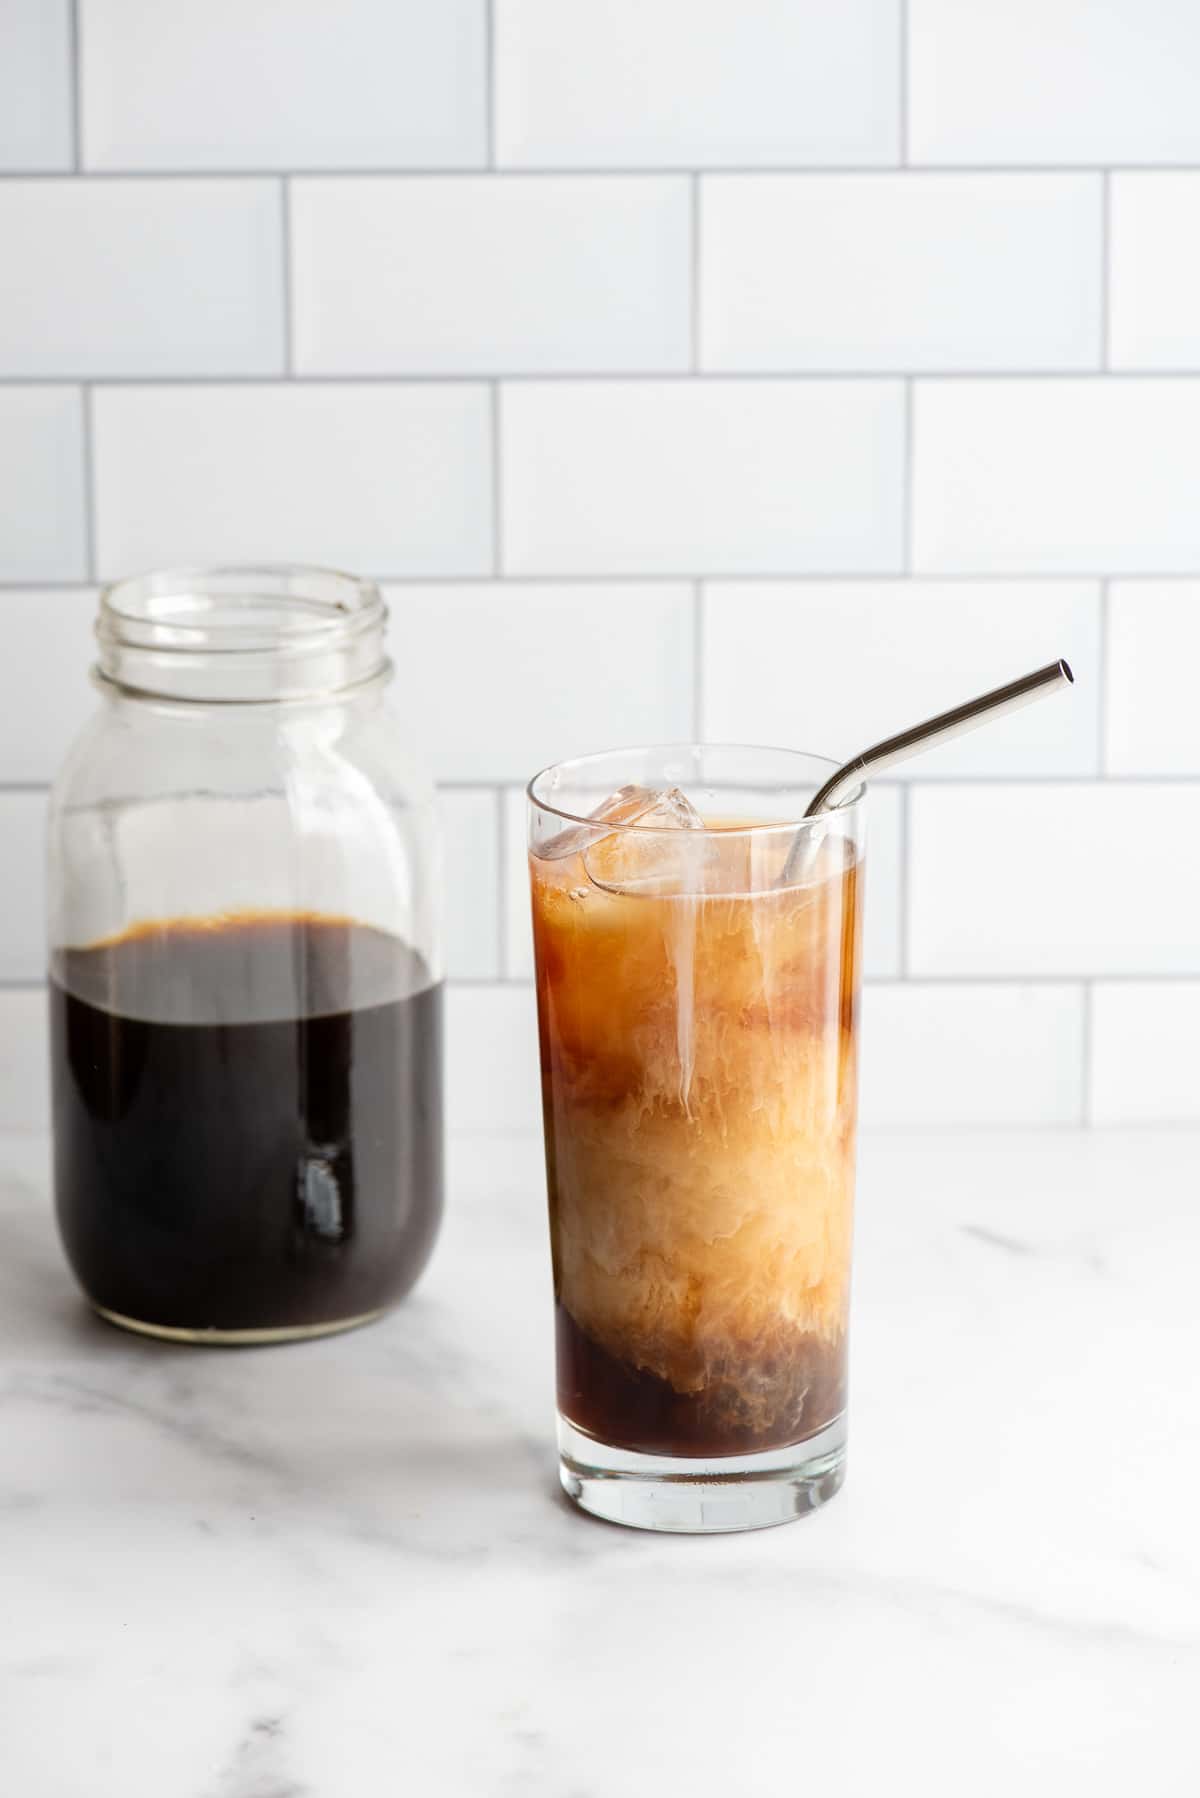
(668, 858)
(672, 810)
(628, 805)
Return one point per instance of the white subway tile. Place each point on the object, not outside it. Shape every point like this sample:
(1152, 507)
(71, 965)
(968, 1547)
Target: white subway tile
(452, 274)
(24, 1060)
(722, 477)
(215, 84)
(1054, 879)
(492, 1078)
(832, 666)
(1154, 319)
(495, 682)
(879, 272)
(23, 890)
(49, 649)
(1064, 81)
(42, 530)
(375, 478)
(1152, 718)
(1056, 477)
(35, 85)
(1145, 1052)
(141, 278)
(946, 1056)
(881, 937)
(638, 83)
(884, 881)
(470, 833)
(518, 932)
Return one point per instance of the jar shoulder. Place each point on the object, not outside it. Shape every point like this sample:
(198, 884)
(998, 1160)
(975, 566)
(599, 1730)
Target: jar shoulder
(133, 753)
(321, 812)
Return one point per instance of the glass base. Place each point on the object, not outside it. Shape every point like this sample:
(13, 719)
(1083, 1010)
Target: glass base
(699, 1497)
(236, 1338)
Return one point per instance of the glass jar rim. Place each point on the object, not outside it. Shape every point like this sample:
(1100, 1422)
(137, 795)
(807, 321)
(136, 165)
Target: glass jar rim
(755, 828)
(238, 608)
(241, 633)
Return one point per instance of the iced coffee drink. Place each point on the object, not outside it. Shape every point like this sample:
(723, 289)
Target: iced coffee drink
(697, 978)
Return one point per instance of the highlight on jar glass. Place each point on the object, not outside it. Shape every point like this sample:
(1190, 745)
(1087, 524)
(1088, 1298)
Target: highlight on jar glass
(697, 946)
(245, 966)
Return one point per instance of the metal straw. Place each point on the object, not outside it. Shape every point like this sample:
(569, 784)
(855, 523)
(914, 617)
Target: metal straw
(954, 723)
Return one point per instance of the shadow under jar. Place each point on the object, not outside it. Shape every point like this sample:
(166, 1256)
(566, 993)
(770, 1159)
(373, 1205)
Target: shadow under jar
(245, 975)
(697, 1006)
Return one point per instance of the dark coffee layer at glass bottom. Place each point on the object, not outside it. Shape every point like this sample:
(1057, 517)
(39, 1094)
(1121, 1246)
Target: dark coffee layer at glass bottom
(278, 1173)
(627, 1407)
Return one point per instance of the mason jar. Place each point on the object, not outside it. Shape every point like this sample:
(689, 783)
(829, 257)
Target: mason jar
(245, 964)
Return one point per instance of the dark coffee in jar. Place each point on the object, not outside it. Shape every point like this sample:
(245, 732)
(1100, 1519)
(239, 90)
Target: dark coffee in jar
(247, 1122)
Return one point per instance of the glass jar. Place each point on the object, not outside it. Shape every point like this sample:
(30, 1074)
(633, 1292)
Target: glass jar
(245, 966)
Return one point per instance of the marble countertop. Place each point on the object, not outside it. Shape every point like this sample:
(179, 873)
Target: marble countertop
(343, 1568)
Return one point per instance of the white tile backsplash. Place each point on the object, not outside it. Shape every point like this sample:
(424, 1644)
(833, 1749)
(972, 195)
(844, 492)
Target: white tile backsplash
(781, 370)
(49, 648)
(945, 1057)
(1056, 477)
(1145, 1052)
(1152, 718)
(470, 824)
(124, 277)
(378, 478)
(492, 1078)
(687, 477)
(1055, 879)
(518, 927)
(883, 950)
(1154, 319)
(454, 275)
(495, 681)
(643, 83)
(36, 79)
(831, 666)
(24, 1060)
(1053, 81)
(23, 890)
(43, 533)
(214, 84)
(883, 272)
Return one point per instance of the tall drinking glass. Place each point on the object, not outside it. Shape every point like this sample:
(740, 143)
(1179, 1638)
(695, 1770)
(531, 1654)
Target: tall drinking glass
(697, 1011)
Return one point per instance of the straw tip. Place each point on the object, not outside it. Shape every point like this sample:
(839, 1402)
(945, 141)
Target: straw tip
(1064, 668)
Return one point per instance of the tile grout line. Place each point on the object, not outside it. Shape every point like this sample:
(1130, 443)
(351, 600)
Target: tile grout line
(497, 482)
(1105, 270)
(1102, 682)
(1026, 783)
(905, 855)
(910, 404)
(89, 482)
(902, 120)
(501, 830)
(1067, 982)
(489, 81)
(610, 171)
(285, 241)
(943, 783)
(76, 89)
(800, 577)
(795, 376)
